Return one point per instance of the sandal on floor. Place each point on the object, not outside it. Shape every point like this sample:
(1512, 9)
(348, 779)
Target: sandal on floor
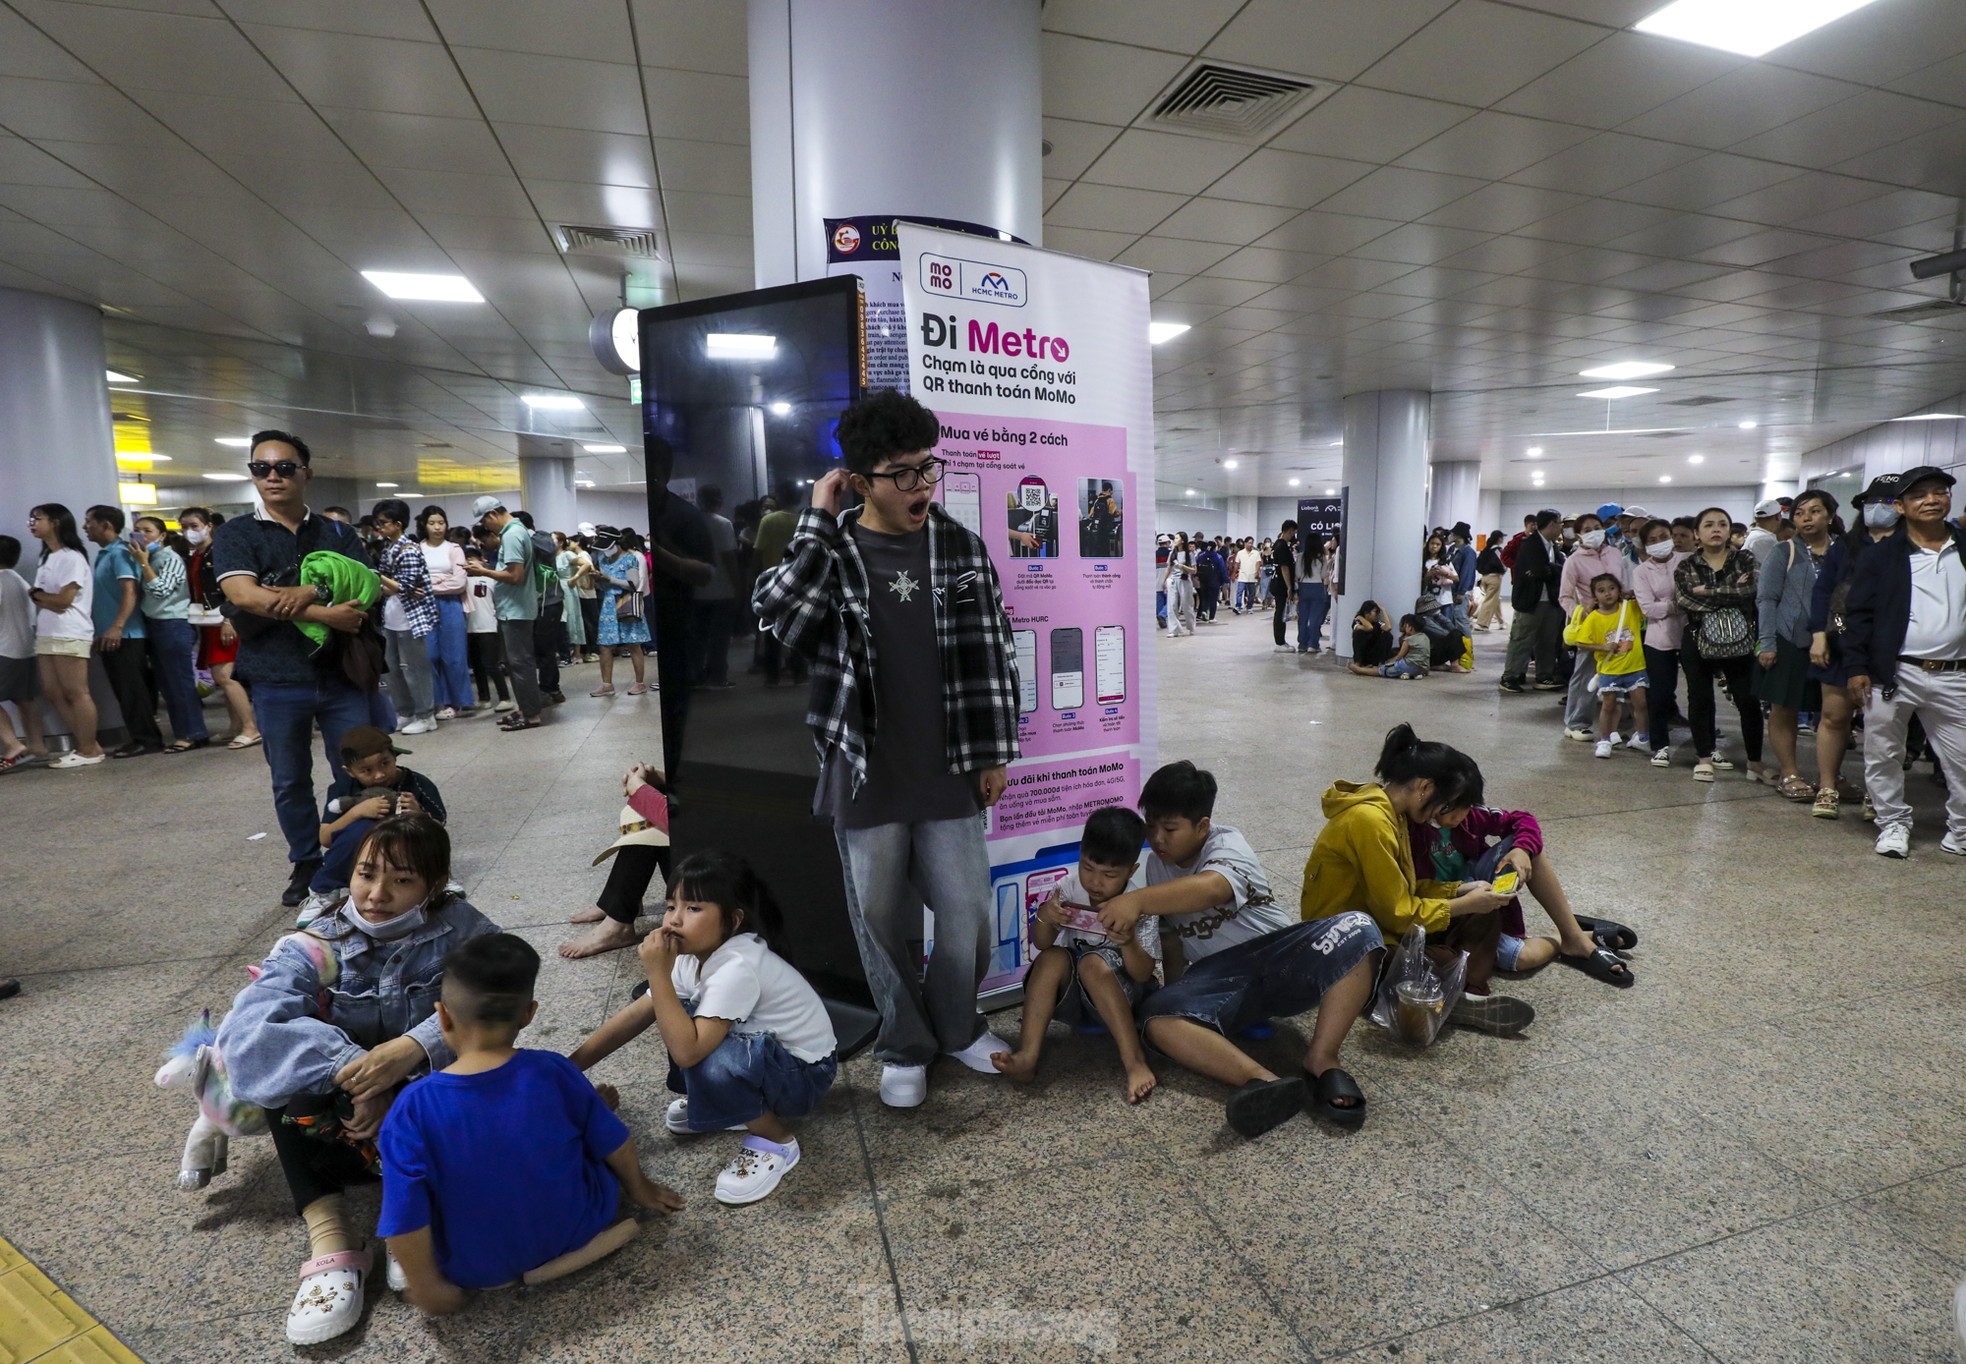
(1262, 1104)
(1327, 1089)
(1795, 788)
(602, 691)
(186, 745)
(244, 741)
(1703, 771)
(329, 1302)
(1602, 965)
(515, 722)
(1608, 934)
(1829, 803)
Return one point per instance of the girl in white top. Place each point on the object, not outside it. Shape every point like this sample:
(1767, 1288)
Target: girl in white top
(749, 1041)
(64, 628)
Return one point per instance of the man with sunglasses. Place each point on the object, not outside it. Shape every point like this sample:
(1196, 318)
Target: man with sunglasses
(293, 688)
(1904, 642)
(914, 713)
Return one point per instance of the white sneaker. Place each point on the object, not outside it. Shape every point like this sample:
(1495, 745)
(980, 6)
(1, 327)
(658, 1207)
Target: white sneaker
(329, 1301)
(1894, 840)
(904, 1086)
(1953, 844)
(71, 760)
(1616, 738)
(418, 727)
(978, 1053)
(754, 1173)
(319, 904)
(1582, 736)
(1662, 757)
(1639, 743)
(1604, 747)
(676, 1119)
(504, 705)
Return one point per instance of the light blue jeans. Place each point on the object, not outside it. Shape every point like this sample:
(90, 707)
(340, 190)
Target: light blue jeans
(892, 870)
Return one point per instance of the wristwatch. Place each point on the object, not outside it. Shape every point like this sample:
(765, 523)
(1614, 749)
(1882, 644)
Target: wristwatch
(323, 594)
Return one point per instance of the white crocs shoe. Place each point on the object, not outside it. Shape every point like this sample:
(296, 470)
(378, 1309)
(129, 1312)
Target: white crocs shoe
(755, 1172)
(904, 1086)
(392, 1272)
(978, 1053)
(329, 1301)
(676, 1119)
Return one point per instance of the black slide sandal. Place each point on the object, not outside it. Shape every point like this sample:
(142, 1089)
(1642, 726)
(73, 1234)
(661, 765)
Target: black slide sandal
(1336, 1083)
(1602, 965)
(1608, 934)
(1262, 1104)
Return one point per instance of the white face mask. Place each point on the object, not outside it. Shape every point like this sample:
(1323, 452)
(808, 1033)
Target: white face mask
(1662, 550)
(1880, 515)
(194, 535)
(1593, 539)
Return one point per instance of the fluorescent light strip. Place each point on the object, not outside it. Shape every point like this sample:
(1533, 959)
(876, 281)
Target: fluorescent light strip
(605, 449)
(1752, 28)
(739, 346)
(1158, 332)
(1931, 417)
(1617, 391)
(424, 288)
(225, 478)
(115, 378)
(236, 442)
(1625, 369)
(552, 402)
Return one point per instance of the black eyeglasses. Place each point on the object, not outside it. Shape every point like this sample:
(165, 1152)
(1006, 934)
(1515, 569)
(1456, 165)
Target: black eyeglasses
(924, 475)
(285, 468)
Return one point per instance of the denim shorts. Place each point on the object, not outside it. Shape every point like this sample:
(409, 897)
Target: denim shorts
(1278, 975)
(1620, 684)
(1404, 669)
(1075, 1006)
(747, 1076)
(1507, 950)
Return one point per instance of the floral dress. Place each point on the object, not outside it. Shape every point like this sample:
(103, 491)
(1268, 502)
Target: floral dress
(622, 568)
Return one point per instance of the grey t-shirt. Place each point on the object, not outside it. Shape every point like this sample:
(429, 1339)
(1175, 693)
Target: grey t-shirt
(908, 777)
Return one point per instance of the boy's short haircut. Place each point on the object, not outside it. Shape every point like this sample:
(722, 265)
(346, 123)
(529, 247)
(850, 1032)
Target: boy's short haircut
(1113, 837)
(882, 425)
(1180, 790)
(1410, 622)
(488, 981)
(1611, 578)
(9, 551)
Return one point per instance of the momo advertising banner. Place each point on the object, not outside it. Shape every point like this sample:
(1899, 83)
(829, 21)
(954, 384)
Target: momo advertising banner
(1037, 365)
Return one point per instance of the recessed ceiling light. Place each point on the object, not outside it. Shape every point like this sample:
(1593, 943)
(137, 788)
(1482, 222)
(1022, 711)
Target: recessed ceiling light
(583, 483)
(552, 402)
(236, 442)
(1295, 482)
(1625, 369)
(388, 485)
(1187, 492)
(781, 409)
(1749, 27)
(1231, 464)
(137, 494)
(1665, 478)
(1696, 459)
(1535, 452)
(1330, 492)
(1335, 444)
(116, 378)
(605, 449)
(1931, 417)
(424, 288)
(1158, 332)
(740, 346)
(141, 457)
(1617, 391)
(225, 478)
(1749, 426)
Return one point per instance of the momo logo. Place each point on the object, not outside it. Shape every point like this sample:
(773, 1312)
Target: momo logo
(975, 280)
(846, 239)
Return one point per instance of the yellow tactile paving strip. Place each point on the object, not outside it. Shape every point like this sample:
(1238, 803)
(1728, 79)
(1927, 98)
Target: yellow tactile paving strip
(40, 1324)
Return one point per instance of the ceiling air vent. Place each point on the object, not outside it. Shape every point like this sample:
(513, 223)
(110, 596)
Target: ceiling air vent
(1704, 400)
(1664, 435)
(1936, 310)
(638, 242)
(1231, 102)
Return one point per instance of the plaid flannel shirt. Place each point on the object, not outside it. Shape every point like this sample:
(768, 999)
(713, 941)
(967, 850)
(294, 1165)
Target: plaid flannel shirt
(816, 602)
(404, 562)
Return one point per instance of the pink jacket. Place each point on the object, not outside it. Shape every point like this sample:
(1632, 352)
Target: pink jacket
(1652, 582)
(1585, 564)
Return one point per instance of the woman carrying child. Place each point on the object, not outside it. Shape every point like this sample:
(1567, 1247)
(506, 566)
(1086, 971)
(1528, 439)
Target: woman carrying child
(337, 1019)
(749, 1041)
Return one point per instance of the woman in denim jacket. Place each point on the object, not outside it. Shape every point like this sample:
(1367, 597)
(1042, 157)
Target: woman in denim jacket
(336, 1019)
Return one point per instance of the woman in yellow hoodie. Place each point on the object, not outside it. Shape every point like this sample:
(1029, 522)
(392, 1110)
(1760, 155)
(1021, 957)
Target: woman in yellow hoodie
(1363, 861)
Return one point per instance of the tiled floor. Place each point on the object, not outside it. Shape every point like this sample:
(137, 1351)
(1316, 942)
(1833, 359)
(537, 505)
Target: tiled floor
(1757, 1154)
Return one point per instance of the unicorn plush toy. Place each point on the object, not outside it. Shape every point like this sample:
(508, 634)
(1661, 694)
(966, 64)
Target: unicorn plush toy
(195, 1064)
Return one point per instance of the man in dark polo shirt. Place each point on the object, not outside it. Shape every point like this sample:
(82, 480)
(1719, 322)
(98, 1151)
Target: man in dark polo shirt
(257, 561)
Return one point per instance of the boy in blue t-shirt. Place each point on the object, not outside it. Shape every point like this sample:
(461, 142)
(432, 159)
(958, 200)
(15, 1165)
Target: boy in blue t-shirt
(504, 1165)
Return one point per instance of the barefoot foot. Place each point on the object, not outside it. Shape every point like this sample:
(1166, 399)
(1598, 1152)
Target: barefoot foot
(1019, 1066)
(606, 936)
(590, 915)
(1140, 1083)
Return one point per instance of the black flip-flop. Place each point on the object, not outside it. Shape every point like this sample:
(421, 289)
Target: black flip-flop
(1602, 964)
(1326, 1089)
(1609, 934)
(1262, 1104)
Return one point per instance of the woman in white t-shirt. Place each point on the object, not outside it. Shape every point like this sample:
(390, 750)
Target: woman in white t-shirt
(20, 675)
(64, 628)
(448, 645)
(749, 1041)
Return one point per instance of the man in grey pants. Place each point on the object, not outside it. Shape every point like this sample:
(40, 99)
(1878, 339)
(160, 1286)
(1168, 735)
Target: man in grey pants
(914, 713)
(515, 598)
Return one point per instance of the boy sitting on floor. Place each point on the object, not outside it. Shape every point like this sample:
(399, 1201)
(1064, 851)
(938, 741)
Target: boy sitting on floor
(373, 786)
(503, 1165)
(1080, 971)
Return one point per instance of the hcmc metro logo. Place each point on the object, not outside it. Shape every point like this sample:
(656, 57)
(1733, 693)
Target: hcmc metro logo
(846, 239)
(994, 283)
(976, 280)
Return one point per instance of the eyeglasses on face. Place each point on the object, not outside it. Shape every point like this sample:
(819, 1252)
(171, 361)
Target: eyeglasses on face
(285, 468)
(924, 475)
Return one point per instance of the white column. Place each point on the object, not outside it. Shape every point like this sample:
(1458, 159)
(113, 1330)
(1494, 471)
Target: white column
(56, 441)
(880, 107)
(546, 474)
(1456, 495)
(1385, 484)
(1242, 518)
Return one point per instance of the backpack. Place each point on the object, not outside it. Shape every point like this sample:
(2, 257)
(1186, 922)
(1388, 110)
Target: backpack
(544, 556)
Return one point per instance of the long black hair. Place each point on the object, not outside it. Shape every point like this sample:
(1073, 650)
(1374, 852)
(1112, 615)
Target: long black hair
(64, 524)
(1406, 757)
(726, 880)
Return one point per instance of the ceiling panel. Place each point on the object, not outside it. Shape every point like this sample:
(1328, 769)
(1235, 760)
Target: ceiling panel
(1292, 179)
(554, 92)
(1102, 82)
(419, 141)
(1155, 160)
(1370, 125)
(1478, 51)
(696, 106)
(1325, 39)
(1626, 75)
(347, 71)
(597, 30)
(141, 49)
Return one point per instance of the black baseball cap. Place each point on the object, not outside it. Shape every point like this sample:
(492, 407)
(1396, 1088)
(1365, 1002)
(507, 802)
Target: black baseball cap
(1911, 478)
(1883, 488)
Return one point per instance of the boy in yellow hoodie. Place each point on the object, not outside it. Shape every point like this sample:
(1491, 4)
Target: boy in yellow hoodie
(1363, 861)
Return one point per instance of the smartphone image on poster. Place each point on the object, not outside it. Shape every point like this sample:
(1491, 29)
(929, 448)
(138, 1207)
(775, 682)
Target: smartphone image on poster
(1027, 670)
(1033, 517)
(1067, 668)
(962, 498)
(1109, 663)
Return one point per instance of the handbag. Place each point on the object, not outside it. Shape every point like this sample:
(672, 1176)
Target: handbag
(628, 605)
(1724, 633)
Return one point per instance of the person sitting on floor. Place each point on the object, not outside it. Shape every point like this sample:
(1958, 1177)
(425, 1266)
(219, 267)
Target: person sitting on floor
(1078, 972)
(1372, 636)
(640, 852)
(372, 786)
(1363, 861)
(507, 1164)
(337, 1018)
(1234, 960)
(1410, 662)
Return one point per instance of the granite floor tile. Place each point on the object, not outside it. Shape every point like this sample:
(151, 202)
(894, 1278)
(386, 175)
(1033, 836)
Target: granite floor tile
(1600, 1321)
(1930, 1211)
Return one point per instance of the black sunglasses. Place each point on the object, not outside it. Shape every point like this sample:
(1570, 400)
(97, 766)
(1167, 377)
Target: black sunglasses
(286, 468)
